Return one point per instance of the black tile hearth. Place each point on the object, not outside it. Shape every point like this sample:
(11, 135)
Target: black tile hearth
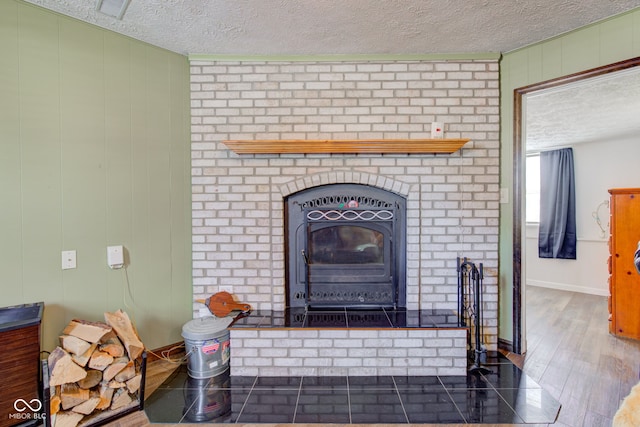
(505, 395)
(348, 318)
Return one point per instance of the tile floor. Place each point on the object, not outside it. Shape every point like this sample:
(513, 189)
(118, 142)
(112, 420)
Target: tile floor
(348, 318)
(505, 395)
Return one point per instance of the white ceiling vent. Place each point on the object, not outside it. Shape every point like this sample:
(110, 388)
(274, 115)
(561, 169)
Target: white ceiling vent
(114, 8)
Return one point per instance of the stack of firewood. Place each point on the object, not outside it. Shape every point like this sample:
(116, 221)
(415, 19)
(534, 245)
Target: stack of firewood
(94, 369)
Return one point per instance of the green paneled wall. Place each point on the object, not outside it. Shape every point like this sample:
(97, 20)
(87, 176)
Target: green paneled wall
(606, 42)
(94, 134)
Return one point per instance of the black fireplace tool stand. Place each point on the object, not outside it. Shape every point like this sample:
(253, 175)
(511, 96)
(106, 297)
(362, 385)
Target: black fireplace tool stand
(470, 311)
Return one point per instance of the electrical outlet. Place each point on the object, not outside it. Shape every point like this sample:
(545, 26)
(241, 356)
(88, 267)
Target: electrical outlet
(115, 256)
(68, 260)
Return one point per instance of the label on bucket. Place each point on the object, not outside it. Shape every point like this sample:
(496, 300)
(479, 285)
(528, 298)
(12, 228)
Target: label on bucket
(210, 347)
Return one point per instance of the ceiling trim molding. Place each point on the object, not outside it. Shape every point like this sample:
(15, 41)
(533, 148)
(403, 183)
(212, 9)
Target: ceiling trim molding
(489, 56)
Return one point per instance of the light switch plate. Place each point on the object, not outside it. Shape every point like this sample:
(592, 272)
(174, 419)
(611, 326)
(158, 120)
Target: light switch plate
(504, 195)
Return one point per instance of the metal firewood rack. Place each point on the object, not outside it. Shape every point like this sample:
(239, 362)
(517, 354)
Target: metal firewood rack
(99, 418)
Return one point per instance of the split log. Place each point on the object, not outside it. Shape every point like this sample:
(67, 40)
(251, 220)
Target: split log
(88, 331)
(121, 399)
(62, 368)
(72, 395)
(67, 419)
(121, 323)
(83, 359)
(106, 395)
(116, 384)
(113, 369)
(127, 373)
(55, 401)
(113, 346)
(133, 385)
(88, 406)
(73, 344)
(100, 360)
(108, 336)
(92, 379)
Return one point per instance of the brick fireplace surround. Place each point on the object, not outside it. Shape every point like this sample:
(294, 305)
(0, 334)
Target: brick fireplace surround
(238, 210)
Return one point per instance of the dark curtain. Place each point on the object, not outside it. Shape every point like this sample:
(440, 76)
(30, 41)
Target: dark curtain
(557, 235)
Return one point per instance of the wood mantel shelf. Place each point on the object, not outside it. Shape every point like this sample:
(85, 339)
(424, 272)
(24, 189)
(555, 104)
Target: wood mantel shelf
(345, 146)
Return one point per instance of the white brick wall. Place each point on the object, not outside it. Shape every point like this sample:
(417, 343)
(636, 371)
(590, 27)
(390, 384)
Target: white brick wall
(452, 200)
(355, 352)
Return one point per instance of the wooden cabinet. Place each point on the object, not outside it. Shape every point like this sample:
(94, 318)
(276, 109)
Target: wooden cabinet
(624, 280)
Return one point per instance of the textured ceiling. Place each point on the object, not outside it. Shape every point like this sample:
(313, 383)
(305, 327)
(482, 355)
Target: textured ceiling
(599, 109)
(330, 27)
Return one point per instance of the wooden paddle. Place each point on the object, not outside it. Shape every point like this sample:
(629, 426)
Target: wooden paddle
(222, 303)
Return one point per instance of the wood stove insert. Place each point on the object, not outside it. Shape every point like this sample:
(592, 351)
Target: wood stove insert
(346, 247)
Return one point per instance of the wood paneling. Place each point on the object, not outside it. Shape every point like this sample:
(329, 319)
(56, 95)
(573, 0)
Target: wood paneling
(95, 152)
(10, 167)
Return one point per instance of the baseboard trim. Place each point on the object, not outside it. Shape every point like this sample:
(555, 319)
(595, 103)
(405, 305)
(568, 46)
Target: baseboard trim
(505, 345)
(568, 287)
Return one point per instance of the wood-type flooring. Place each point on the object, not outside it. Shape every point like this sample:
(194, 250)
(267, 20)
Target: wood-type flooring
(571, 354)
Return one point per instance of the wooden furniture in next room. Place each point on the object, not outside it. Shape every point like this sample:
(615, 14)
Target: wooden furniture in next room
(624, 280)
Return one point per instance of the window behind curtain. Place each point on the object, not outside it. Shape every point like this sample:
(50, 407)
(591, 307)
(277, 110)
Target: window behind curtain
(532, 184)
